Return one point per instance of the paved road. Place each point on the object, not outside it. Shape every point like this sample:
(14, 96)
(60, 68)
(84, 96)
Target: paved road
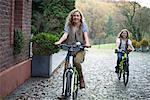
(101, 80)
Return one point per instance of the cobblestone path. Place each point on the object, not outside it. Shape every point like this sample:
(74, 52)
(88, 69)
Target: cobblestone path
(101, 80)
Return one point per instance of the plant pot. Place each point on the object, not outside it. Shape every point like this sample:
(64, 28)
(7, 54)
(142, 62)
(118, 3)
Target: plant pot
(41, 66)
(144, 49)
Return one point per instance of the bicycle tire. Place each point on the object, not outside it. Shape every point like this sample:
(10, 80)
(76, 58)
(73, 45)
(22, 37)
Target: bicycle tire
(119, 74)
(126, 74)
(76, 85)
(125, 78)
(68, 84)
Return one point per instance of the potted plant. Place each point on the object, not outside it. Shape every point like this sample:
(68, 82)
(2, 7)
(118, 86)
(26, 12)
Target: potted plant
(18, 41)
(144, 45)
(137, 46)
(43, 47)
(134, 42)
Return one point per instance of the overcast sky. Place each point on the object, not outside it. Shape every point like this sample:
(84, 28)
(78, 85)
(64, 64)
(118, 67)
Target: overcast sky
(143, 2)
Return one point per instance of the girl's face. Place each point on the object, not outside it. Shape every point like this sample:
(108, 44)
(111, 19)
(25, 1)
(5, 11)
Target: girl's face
(124, 34)
(76, 17)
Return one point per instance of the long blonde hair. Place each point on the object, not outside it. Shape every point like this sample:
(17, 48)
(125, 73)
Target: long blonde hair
(124, 30)
(69, 17)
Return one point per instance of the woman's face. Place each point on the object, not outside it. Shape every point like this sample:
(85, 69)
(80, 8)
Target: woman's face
(76, 17)
(124, 34)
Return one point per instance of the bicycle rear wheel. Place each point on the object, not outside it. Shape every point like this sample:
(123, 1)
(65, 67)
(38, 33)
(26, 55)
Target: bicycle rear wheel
(126, 75)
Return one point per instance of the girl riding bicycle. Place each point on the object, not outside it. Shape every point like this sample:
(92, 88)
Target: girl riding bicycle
(123, 43)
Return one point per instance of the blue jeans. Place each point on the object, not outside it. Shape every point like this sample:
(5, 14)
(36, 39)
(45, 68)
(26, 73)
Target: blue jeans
(119, 58)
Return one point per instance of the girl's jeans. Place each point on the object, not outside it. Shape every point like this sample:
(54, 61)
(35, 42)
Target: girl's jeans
(119, 58)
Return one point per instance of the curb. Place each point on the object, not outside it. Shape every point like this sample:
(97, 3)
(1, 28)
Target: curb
(59, 66)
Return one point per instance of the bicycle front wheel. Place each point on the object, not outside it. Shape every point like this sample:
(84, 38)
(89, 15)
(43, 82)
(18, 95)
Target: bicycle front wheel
(75, 87)
(126, 75)
(68, 84)
(119, 74)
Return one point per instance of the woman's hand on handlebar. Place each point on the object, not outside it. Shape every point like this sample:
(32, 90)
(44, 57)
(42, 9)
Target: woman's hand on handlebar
(87, 45)
(57, 43)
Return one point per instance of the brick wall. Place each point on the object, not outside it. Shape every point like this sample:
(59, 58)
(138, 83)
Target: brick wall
(26, 24)
(13, 14)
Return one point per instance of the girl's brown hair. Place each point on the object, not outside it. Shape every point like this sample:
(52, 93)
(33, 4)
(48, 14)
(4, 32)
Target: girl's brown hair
(124, 30)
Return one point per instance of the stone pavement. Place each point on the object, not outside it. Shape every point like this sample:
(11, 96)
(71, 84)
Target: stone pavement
(101, 80)
(57, 58)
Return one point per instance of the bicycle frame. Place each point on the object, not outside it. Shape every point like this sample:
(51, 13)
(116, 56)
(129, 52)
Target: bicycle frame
(71, 70)
(123, 67)
(124, 58)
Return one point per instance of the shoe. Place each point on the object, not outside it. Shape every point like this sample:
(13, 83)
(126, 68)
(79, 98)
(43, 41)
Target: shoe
(62, 97)
(117, 70)
(82, 83)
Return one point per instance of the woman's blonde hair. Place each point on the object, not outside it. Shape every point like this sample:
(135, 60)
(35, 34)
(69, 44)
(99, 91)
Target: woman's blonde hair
(69, 17)
(124, 30)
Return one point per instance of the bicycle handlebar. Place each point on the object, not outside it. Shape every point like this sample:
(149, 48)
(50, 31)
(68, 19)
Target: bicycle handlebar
(73, 47)
(121, 51)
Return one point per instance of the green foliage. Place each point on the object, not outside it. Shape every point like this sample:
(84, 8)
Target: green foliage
(144, 42)
(18, 41)
(37, 5)
(110, 39)
(110, 26)
(137, 19)
(112, 17)
(50, 15)
(43, 44)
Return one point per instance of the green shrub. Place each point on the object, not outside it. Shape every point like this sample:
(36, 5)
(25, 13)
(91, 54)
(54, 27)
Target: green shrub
(18, 41)
(144, 42)
(43, 44)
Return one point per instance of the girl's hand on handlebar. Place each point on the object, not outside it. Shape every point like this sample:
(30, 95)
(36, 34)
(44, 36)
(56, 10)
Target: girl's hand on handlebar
(116, 50)
(129, 50)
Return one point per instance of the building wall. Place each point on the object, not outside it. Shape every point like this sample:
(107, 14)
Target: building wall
(14, 14)
(5, 30)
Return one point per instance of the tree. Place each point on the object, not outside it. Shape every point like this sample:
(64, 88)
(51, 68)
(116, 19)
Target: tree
(50, 15)
(143, 22)
(129, 10)
(106, 20)
(96, 14)
(109, 26)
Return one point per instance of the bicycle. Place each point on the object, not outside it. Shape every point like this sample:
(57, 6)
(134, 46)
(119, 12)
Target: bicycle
(70, 75)
(123, 66)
